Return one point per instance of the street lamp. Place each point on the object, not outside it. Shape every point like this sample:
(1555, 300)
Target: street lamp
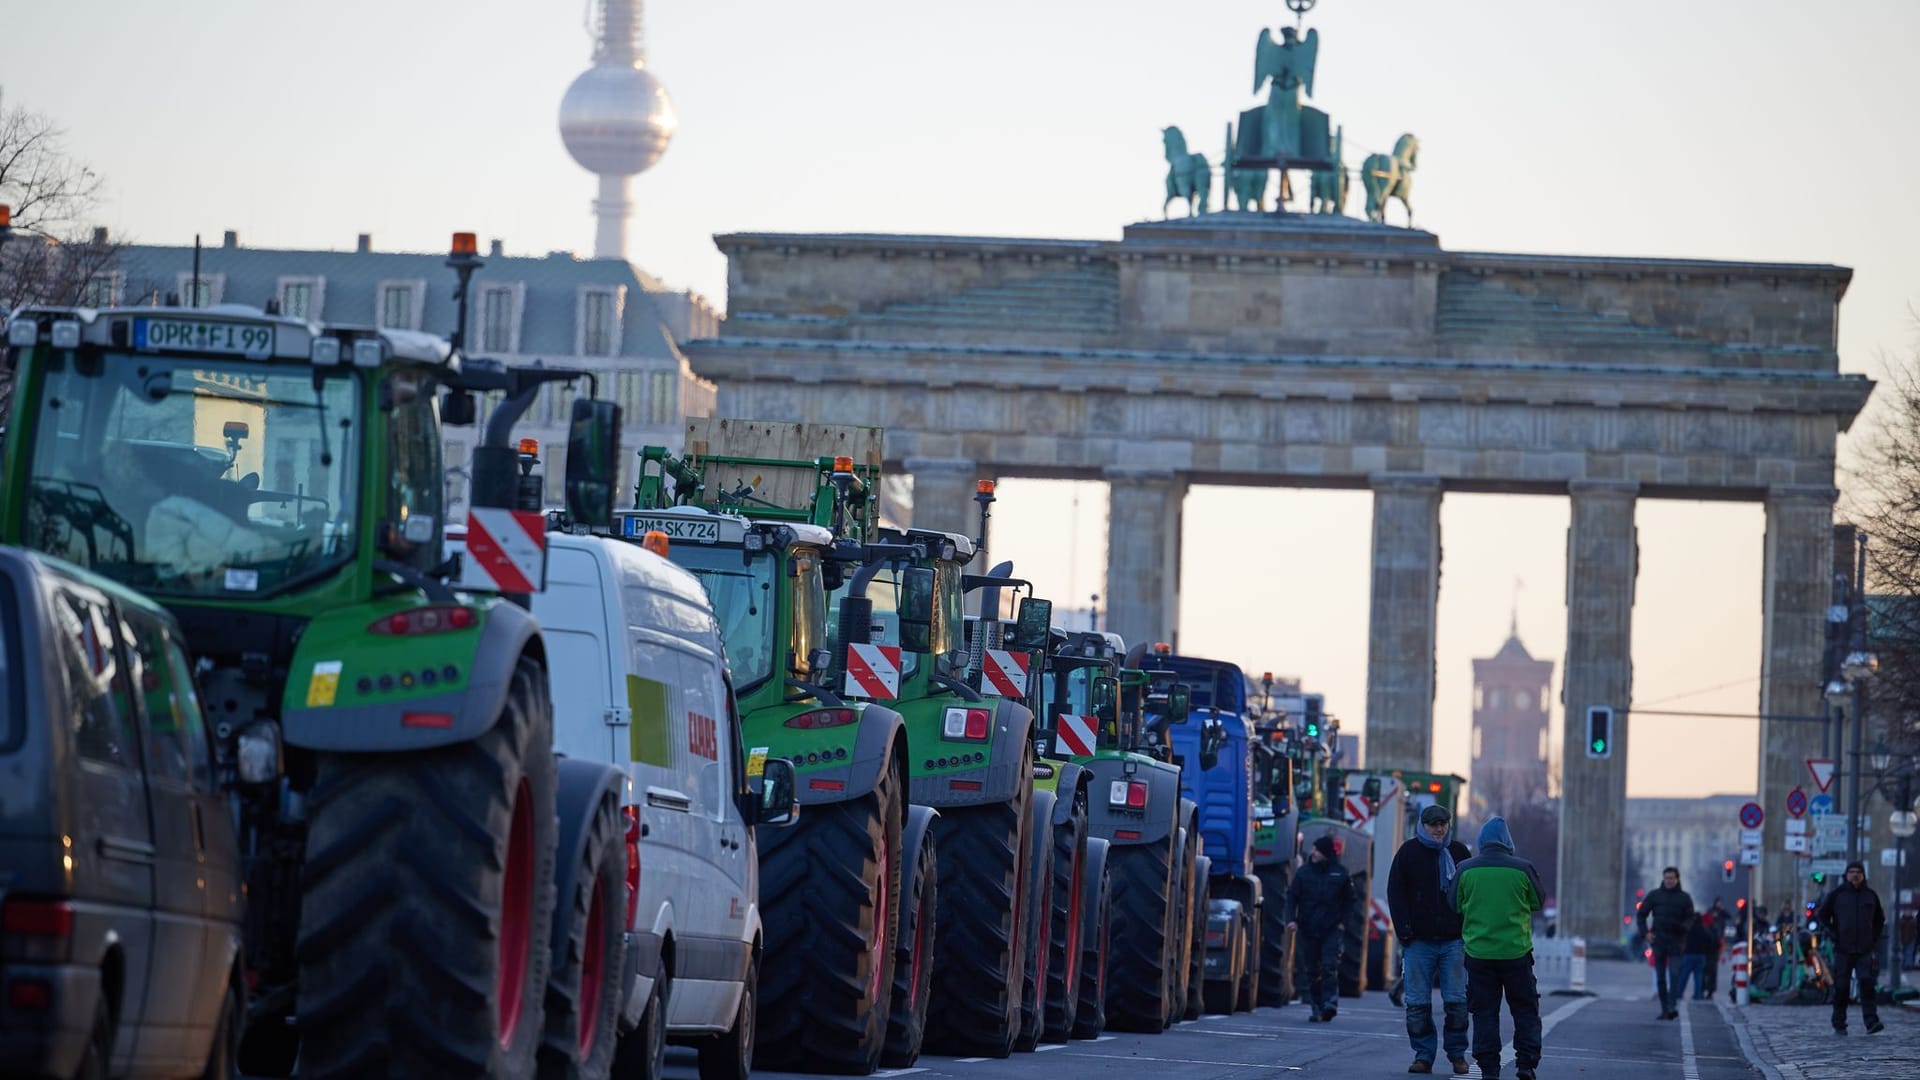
(1856, 669)
(1881, 755)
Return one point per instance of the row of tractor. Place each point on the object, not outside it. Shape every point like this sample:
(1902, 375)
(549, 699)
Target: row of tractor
(735, 766)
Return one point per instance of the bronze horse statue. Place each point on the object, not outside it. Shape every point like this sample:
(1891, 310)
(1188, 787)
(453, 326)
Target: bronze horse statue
(1189, 176)
(1391, 177)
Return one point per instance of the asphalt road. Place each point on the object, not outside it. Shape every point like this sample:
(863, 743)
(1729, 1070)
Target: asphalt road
(1613, 1036)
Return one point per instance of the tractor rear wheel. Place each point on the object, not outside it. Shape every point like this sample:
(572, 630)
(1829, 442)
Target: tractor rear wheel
(1197, 940)
(1276, 945)
(1037, 935)
(584, 990)
(913, 960)
(977, 949)
(1143, 907)
(425, 922)
(1069, 897)
(1249, 995)
(830, 883)
(1095, 941)
(1353, 952)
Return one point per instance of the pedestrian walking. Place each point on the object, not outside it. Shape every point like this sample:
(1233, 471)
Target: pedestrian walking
(1319, 900)
(1496, 893)
(1854, 921)
(1718, 918)
(1432, 956)
(1693, 958)
(1667, 908)
(1908, 938)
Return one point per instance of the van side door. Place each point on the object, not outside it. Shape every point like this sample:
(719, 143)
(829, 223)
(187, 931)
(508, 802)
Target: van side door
(721, 850)
(113, 845)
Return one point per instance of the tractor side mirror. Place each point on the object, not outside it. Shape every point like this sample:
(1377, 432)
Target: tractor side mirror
(1104, 697)
(1370, 789)
(593, 462)
(458, 408)
(916, 609)
(779, 793)
(1179, 702)
(1213, 737)
(1032, 624)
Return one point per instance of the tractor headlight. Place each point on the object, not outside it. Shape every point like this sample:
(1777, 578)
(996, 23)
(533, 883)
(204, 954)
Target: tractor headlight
(258, 748)
(66, 334)
(366, 353)
(325, 352)
(23, 332)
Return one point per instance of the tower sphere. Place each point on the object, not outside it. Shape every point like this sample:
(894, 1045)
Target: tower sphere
(616, 120)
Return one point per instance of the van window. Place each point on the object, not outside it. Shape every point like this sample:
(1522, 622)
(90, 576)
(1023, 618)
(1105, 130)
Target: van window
(743, 604)
(13, 672)
(101, 713)
(176, 736)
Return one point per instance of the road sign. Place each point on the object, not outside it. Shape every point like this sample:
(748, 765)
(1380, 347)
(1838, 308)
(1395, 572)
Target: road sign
(1751, 815)
(1750, 856)
(1797, 844)
(1833, 868)
(1820, 804)
(1822, 770)
(1796, 826)
(1796, 802)
(1891, 856)
(1749, 837)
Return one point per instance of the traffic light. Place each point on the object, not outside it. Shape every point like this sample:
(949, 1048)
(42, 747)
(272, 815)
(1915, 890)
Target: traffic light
(1726, 870)
(1819, 877)
(1599, 731)
(1314, 715)
(1740, 904)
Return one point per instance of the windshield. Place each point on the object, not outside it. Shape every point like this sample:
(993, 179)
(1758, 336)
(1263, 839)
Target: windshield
(884, 592)
(193, 476)
(743, 603)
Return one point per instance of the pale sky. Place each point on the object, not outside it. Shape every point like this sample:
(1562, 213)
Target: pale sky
(1711, 128)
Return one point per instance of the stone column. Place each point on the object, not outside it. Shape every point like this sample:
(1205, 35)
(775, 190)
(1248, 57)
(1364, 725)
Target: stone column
(1143, 554)
(943, 495)
(1603, 555)
(1400, 631)
(1797, 587)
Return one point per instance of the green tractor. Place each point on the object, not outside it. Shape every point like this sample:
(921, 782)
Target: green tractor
(847, 893)
(1095, 709)
(381, 723)
(902, 630)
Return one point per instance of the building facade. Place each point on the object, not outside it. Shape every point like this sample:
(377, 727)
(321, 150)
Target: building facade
(1696, 836)
(1512, 697)
(605, 316)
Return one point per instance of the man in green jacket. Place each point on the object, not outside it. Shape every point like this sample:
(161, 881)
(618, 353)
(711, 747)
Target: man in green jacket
(1496, 893)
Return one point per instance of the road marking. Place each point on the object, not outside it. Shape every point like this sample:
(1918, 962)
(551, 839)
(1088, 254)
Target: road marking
(1548, 1023)
(1737, 1021)
(1214, 1016)
(1105, 1038)
(970, 1061)
(1049, 1046)
(1689, 1065)
(1198, 1061)
(898, 1072)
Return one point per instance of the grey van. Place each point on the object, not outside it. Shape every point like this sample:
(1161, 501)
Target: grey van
(120, 883)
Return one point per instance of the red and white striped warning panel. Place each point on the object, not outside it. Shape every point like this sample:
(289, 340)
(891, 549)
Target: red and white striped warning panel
(1006, 673)
(1358, 815)
(1382, 920)
(506, 551)
(873, 671)
(1073, 736)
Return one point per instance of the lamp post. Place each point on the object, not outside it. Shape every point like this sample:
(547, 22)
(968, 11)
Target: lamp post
(1857, 668)
(1902, 823)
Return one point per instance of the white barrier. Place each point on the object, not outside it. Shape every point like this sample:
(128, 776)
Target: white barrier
(1560, 964)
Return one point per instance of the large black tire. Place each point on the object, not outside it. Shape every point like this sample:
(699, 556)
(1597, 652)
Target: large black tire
(1096, 939)
(1197, 939)
(913, 960)
(1037, 935)
(1143, 946)
(978, 962)
(829, 884)
(1069, 899)
(729, 1056)
(584, 989)
(1353, 949)
(426, 917)
(1249, 995)
(1276, 945)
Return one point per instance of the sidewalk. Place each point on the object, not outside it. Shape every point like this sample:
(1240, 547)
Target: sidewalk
(1799, 1043)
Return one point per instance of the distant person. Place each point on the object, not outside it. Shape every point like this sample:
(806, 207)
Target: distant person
(1908, 938)
(1718, 920)
(1693, 958)
(1667, 908)
(1431, 954)
(1496, 893)
(1854, 922)
(1319, 900)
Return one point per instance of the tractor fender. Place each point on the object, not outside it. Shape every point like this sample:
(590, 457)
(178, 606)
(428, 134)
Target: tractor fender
(1005, 773)
(579, 788)
(1245, 890)
(919, 825)
(881, 731)
(1070, 785)
(508, 632)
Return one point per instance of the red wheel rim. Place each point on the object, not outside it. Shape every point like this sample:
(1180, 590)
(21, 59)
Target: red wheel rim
(922, 929)
(592, 970)
(516, 915)
(1044, 962)
(1073, 925)
(882, 904)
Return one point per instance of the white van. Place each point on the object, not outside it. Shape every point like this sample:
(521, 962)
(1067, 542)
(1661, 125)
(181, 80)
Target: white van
(639, 680)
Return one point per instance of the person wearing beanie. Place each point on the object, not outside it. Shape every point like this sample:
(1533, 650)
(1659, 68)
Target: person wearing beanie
(1855, 923)
(1663, 916)
(1319, 900)
(1496, 893)
(1432, 956)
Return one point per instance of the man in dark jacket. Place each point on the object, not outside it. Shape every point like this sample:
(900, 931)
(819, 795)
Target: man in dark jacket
(1496, 893)
(1854, 921)
(1432, 957)
(1319, 900)
(1669, 909)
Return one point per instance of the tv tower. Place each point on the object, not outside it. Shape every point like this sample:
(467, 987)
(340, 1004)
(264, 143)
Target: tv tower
(616, 119)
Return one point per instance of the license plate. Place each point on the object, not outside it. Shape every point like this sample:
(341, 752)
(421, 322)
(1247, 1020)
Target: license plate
(681, 529)
(250, 340)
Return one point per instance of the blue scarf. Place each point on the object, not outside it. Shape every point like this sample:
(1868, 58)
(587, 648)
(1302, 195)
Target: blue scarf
(1446, 857)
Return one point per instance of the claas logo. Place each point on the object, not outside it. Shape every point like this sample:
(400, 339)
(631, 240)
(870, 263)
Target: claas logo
(702, 736)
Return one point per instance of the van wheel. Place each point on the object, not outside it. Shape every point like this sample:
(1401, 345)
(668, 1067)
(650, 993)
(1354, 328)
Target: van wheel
(1095, 943)
(223, 1056)
(642, 1053)
(583, 992)
(1067, 900)
(831, 882)
(427, 908)
(913, 961)
(93, 1066)
(730, 1056)
(1140, 980)
(978, 940)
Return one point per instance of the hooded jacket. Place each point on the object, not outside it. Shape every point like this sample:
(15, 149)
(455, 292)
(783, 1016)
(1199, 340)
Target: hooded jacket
(1415, 897)
(1853, 918)
(1496, 893)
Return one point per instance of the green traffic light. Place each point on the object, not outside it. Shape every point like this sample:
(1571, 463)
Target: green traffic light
(1599, 746)
(1819, 877)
